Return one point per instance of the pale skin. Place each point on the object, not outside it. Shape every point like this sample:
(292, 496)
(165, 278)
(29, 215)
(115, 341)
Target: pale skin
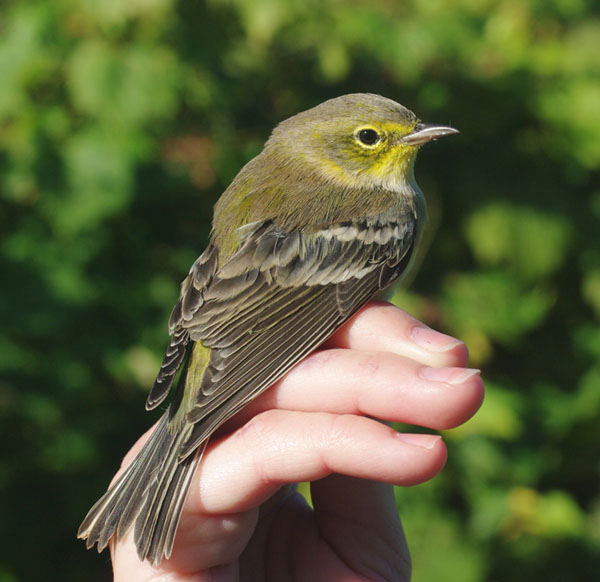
(244, 521)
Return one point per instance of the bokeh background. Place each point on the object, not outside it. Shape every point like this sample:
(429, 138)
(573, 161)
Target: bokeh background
(121, 123)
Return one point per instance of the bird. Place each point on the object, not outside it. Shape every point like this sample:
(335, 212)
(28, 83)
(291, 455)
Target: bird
(320, 222)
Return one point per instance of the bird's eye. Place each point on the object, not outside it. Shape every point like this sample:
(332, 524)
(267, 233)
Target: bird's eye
(368, 137)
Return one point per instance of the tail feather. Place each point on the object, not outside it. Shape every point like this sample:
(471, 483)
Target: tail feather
(149, 496)
(154, 538)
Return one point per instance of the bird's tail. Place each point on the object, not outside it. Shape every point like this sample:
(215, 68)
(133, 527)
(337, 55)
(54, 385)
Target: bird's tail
(149, 495)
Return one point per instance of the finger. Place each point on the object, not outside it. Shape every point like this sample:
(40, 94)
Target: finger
(220, 514)
(383, 327)
(365, 511)
(243, 469)
(212, 543)
(354, 526)
(194, 557)
(378, 384)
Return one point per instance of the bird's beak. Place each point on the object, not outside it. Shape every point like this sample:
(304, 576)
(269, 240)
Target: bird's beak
(425, 132)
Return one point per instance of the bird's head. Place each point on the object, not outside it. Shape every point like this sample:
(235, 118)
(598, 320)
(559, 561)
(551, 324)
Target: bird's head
(357, 140)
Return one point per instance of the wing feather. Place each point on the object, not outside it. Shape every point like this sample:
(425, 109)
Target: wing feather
(190, 301)
(273, 302)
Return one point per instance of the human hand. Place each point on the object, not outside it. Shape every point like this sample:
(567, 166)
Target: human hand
(244, 521)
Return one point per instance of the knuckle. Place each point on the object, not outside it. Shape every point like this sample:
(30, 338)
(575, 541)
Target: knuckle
(338, 430)
(318, 359)
(258, 427)
(370, 364)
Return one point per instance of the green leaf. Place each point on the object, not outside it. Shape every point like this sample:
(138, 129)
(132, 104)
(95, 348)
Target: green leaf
(591, 289)
(498, 418)
(551, 515)
(124, 86)
(99, 167)
(495, 303)
(531, 242)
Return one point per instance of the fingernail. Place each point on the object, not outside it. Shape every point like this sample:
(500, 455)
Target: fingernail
(448, 375)
(425, 441)
(432, 340)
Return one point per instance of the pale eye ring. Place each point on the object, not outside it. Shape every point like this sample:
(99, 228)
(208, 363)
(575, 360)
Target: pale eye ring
(368, 136)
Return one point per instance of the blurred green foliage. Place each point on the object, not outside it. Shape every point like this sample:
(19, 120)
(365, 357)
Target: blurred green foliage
(120, 124)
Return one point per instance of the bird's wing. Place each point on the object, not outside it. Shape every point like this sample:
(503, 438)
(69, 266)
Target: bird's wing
(190, 301)
(276, 299)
